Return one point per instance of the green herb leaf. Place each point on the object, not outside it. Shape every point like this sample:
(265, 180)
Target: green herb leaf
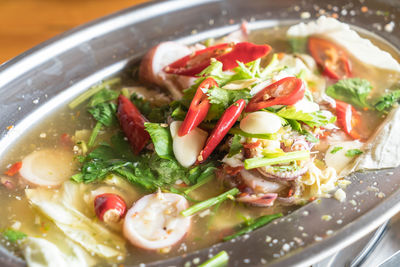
(312, 119)
(353, 152)
(104, 113)
(336, 149)
(13, 235)
(384, 103)
(215, 70)
(236, 147)
(353, 91)
(161, 138)
(142, 104)
(103, 96)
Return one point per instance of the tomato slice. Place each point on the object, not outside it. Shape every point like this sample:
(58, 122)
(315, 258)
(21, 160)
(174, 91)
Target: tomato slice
(286, 91)
(348, 119)
(198, 107)
(331, 58)
(228, 54)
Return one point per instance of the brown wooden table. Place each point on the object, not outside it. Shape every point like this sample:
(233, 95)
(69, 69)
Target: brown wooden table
(26, 23)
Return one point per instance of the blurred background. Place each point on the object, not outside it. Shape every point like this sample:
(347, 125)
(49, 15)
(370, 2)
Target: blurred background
(26, 23)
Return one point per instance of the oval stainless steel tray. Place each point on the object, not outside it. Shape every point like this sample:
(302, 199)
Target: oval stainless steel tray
(40, 80)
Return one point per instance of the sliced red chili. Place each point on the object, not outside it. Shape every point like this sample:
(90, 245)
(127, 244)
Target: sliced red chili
(14, 169)
(222, 127)
(228, 54)
(348, 119)
(286, 91)
(331, 58)
(109, 207)
(132, 123)
(198, 108)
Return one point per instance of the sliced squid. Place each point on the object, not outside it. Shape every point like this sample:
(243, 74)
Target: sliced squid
(153, 63)
(47, 167)
(154, 221)
(255, 181)
(187, 148)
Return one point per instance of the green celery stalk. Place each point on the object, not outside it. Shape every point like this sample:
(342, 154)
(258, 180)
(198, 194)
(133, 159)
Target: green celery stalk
(204, 178)
(260, 136)
(261, 221)
(91, 91)
(288, 157)
(94, 134)
(221, 259)
(209, 202)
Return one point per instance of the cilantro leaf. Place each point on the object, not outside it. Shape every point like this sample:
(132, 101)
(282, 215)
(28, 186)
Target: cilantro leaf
(215, 70)
(353, 91)
(385, 102)
(312, 119)
(13, 235)
(105, 113)
(142, 104)
(103, 96)
(161, 138)
(236, 146)
(353, 152)
(336, 149)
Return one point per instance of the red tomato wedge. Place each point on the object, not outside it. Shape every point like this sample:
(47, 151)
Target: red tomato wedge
(132, 123)
(348, 119)
(331, 58)
(198, 107)
(228, 54)
(286, 91)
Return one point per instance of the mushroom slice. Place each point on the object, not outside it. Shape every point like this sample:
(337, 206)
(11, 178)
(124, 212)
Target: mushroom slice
(154, 221)
(47, 167)
(160, 56)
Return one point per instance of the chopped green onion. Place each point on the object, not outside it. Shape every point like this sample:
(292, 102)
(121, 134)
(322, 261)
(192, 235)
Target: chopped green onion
(336, 149)
(221, 259)
(288, 157)
(210, 202)
(353, 152)
(91, 91)
(261, 221)
(273, 153)
(204, 178)
(13, 235)
(94, 134)
(249, 135)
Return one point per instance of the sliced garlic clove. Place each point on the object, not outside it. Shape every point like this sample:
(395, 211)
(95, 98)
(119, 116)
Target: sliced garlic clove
(187, 148)
(261, 122)
(306, 106)
(154, 221)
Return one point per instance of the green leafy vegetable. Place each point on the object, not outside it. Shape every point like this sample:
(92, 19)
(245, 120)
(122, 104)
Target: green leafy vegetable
(259, 222)
(353, 91)
(298, 44)
(236, 146)
(221, 259)
(93, 90)
(210, 202)
(178, 114)
(206, 176)
(103, 96)
(105, 113)
(353, 152)
(13, 235)
(162, 140)
(336, 149)
(312, 119)
(143, 105)
(384, 103)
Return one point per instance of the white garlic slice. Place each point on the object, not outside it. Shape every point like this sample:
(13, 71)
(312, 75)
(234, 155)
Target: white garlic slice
(261, 122)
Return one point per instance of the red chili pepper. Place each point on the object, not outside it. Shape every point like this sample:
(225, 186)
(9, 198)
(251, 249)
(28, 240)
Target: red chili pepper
(14, 169)
(222, 127)
(348, 119)
(132, 123)
(331, 58)
(228, 54)
(198, 108)
(109, 207)
(286, 91)
(252, 145)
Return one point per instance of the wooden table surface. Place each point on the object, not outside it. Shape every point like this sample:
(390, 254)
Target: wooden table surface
(26, 23)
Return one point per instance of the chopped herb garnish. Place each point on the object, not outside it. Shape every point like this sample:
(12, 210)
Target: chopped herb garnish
(259, 222)
(236, 146)
(385, 102)
(312, 119)
(221, 259)
(353, 152)
(336, 149)
(353, 91)
(13, 235)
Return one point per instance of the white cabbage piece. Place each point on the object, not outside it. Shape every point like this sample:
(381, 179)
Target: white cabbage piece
(39, 252)
(66, 209)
